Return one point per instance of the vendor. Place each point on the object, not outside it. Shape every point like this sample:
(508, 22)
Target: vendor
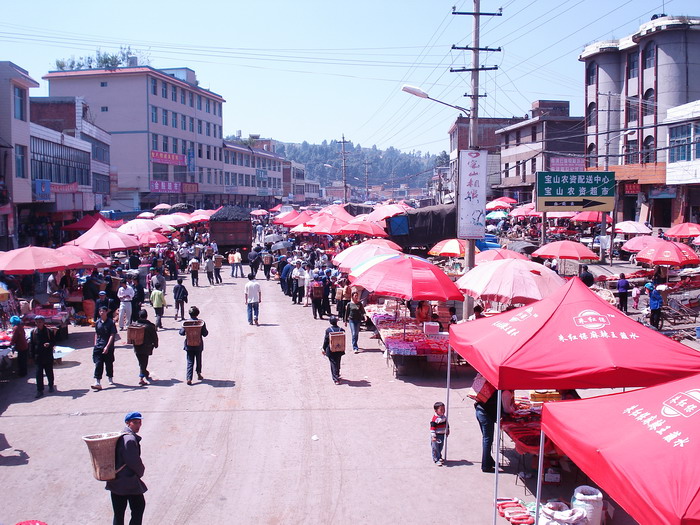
(423, 312)
(20, 345)
(487, 415)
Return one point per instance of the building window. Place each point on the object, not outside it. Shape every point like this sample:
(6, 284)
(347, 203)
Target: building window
(199, 102)
(183, 96)
(103, 84)
(154, 86)
(533, 166)
(517, 137)
(649, 150)
(165, 144)
(591, 114)
(208, 175)
(173, 93)
(20, 161)
(104, 109)
(20, 103)
(199, 150)
(633, 65)
(160, 171)
(632, 152)
(648, 103)
(164, 90)
(164, 114)
(591, 156)
(533, 134)
(632, 109)
(183, 122)
(679, 143)
(199, 126)
(192, 124)
(208, 129)
(506, 139)
(591, 74)
(173, 120)
(209, 152)
(649, 55)
(174, 145)
(207, 105)
(183, 147)
(154, 114)
(154, 142)
(201, 175)
(191, 95)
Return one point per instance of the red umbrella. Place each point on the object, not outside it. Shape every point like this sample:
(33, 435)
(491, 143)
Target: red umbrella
(384, 242)
(635, 244)
(151, 238)
(286, 216)
(590, 216)
(137, 226)
(145, 215)
(407, 277)
(564, 250)
(363, 228)
(275, 208)
(359, 253)
(450, 248)
(338, 211)
(327, 224)
(510, 281)
(509, 200)
(89, 258)
(523, 211)
(685, 229)
(301, 218)
(631, 227)
(497, 254)
(162, 206)
(27, 260)
(668, 253)
(386, 211)
(654, 423)
(102, 238)
(497, 205)
(199, 217)
(174, 220)
(259, 213)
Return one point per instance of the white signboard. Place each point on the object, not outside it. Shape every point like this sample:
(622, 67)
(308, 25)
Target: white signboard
(472, 194)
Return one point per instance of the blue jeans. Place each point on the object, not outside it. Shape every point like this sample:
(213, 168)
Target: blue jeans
(354, 331)
(436, 447)
(236, 268)
(487, 432)
(253, 309)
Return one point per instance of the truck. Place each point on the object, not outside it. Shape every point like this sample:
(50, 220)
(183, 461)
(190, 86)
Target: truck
(232, 228)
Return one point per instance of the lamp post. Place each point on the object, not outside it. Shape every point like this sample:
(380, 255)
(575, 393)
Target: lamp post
(604, 226)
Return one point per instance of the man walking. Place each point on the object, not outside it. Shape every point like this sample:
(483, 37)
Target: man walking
(180, 294)
(158, 303)
(237, 264)
(103, 351)
(299, 280)
(41, 343)
(218, 263)
(194, 351)
(253, 298)
(144, 350)
(125, 294)
(127, 487)
(193, 267)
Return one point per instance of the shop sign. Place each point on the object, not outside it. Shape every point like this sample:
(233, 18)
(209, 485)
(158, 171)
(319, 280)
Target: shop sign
(472, 194)
(165, 186)
(190, 187)
(575, 191)
(190, 160)
(632, 188)
(174, 159)
(567, 164)
(42, 190)
(662, 192)
(64, 188)
(230, 190)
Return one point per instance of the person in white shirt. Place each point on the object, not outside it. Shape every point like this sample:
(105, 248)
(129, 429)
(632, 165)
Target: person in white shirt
(125, 294)
(299, 280)
(253, 298)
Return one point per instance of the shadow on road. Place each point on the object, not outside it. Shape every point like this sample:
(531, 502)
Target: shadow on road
(13, 461)
(457, 463)
(360, 383)
(75, 393)
(268, 324)
(217, 383)
(66, 364)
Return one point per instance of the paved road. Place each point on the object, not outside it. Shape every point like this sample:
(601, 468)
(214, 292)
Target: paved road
(265, 438)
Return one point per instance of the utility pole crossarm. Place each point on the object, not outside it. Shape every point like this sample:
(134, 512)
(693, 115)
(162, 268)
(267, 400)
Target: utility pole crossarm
(465, 69)
(469, 48)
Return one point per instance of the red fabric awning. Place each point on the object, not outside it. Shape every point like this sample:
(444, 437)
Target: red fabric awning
(641, 447)
(88, 221)
(571, 339)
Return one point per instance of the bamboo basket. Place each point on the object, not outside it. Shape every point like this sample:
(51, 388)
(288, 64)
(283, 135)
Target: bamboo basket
(102, 449)
(135, 334)
(336, 341)
(193, 332)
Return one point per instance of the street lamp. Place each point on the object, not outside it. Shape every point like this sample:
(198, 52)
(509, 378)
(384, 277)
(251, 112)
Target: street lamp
(422, 94)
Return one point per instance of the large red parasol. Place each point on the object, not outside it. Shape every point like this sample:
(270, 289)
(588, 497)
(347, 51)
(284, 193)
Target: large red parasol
(632, 227)
(136, 226)
(497, 254)
(174, 220)
(151, 238)
(450, 248)
(327, 224)
(590, 216)
(286, 216)
(655, 424)
(338, 211)
(407, 277)
(89, 258)
(510, 281)
(683, 230)
(509, 200)
(571, 339)
(636, 244)
(668, 253)
(363, 228)
(301, 218)
(102, 238)
(359, 253)
(384, 242)
(564, 250)
(88, 222)
(259, 213)
(385, 211)
(497, 205)
(27, 260)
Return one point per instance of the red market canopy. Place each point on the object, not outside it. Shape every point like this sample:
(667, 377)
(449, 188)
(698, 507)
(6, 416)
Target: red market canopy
(571, 339)
(590, 216)
(497, 205)
(102, 238)
(137, 226)
(89, 258)
(523, 211)
(450, 248)
(632, 227)
(174, 221)
(387, 210)
(384, 242)
(369, 228)
(359, 253)
(497, 254)
(259, 213)
(327, 224)
(151, 238)
(301, 218)
(643, 450)
(145, 215)
(162, 206)
(636, 244)
(88, 221)
(509, 200)
(564, 250)
(510, 281)
(286, 216)
(337, 211)
(23, 261)
(683, 230)
(668, 253)
(275, 209)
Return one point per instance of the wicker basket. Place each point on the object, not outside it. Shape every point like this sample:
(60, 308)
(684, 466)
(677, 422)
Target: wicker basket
(336, 341)
(102, 449)
(193, 332)
(135, 334)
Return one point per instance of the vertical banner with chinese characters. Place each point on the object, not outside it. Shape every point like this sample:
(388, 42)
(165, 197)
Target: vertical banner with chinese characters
(472, 194)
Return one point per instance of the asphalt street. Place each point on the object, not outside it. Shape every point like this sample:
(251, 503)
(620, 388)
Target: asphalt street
(266, 437)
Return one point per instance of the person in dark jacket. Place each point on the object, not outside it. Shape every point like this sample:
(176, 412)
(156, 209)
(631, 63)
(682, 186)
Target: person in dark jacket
(20, 344)
(281, 265)
(41, 343)
(333, 357)
(145, 349)
(127, 487)
(104, 302)
(586, 276)
(180, 295)
(137, 301)
(285, 279)
(194, 352)
(103, 351)
(656, 301)
(354, 315)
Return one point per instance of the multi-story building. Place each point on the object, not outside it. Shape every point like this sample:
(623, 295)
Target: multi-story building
(167, 136)
(252, 176)
(630, 84)
(683, 166)
(551, 140)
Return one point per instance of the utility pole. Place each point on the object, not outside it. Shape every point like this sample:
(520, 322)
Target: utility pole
(367, 163)
(345, 178)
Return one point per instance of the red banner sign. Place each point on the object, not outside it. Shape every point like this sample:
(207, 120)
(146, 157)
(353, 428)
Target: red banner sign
(190, 187)
(162, 157)
(64, 188)
(165, 186)
(632, 188)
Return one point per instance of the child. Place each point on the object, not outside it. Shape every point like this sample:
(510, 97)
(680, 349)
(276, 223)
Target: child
(439, 430)
(453, 315)
(636, 292)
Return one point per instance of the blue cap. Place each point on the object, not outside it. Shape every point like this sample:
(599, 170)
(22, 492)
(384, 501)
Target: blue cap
(15, 320)
(649, 286)
(132, 415)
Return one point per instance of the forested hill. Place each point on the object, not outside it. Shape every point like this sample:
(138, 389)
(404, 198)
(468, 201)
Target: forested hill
(388, 167)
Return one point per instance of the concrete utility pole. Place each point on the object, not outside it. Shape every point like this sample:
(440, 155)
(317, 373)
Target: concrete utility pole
(345, 178)
(367, 163)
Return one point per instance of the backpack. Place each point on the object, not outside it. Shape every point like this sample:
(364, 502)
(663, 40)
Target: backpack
(317, 291)
(267, 258)
(194, 265)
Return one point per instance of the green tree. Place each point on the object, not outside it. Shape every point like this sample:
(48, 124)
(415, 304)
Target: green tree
(101, 60)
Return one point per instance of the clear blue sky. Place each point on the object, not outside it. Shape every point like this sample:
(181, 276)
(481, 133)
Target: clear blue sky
(313, 70)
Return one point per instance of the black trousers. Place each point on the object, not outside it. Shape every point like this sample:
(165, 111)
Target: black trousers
(40, 369)
(195, 277)
(217, 275)
(137, 504)
(317, 308)
(192, 357)
(103, 361)
(334, 358)
(655, 318)
(298, 293)
(22, 356)
(210, 276)
(623, 301)
(143, 365)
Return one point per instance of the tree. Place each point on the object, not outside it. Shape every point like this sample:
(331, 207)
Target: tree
(101, 60)
(443, 159)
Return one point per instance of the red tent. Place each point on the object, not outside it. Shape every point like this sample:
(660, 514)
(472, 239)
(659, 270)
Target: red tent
(88, 221)
(276, 208)
(639, 446)
(303, 217)
(571, 339)
(286, 216)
